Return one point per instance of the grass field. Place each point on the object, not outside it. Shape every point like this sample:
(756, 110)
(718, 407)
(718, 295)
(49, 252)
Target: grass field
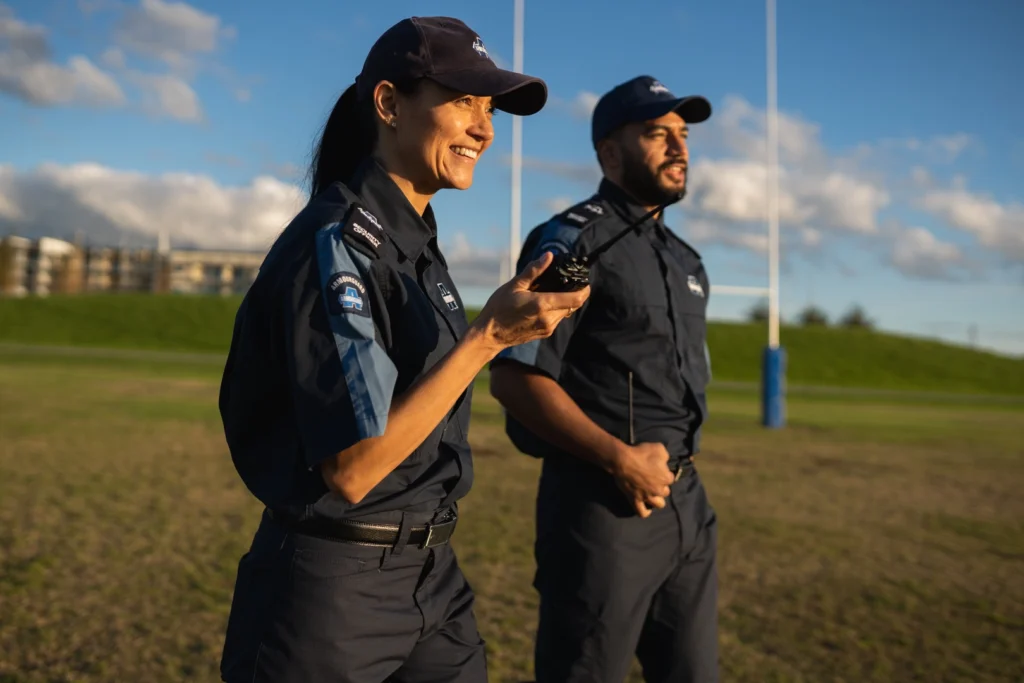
(867, 541)
(816, 356)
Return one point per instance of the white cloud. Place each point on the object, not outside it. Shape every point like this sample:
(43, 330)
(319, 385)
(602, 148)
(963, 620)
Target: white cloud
(736, 190)
(558, 204)
(996, 226)
(471, 265)
(173, 32)
(167, 95)
(741, 128)
(587, 174)
(170, 31)
(93, 6)
(28, 72)
(113, 57)
(109, 205)
(580, 107)
(705, 232)
(939, 149)
(584, 103)
(951, 145)
(815, 190)
(918, 253)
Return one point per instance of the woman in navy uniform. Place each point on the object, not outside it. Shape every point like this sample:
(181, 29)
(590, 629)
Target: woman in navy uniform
(347, 390)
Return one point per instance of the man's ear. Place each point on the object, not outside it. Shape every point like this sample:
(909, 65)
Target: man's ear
(609, 154)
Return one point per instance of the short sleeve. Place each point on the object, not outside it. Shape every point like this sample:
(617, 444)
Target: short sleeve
(342, 377)
(546, 355)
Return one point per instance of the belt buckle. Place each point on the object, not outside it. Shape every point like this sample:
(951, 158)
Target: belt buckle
(684, 463)
(433, 540)
(430, 537)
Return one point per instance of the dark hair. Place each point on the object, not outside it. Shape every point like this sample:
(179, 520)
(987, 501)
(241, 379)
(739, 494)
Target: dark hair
(348, 137)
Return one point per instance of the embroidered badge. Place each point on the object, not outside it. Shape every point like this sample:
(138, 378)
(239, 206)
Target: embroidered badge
(447, 297)
(364, 232)
(346, 294)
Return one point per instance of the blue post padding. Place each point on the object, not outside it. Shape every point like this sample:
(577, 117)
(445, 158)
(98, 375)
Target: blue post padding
(773, 388)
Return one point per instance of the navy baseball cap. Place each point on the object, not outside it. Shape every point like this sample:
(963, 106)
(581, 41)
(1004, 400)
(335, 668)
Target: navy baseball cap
(450, 53)
(641, 99)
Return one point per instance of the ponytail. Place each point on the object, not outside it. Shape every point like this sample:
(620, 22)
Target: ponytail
(347, 138)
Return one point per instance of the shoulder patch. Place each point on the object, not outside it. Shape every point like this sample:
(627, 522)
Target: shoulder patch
(584, 213)
(363, 231)
(346, 294)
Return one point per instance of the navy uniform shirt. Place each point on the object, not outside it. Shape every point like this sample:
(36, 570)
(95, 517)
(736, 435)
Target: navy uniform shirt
(352, 304)
(641, 336)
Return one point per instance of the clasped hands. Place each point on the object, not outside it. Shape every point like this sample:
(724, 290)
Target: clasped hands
(642, 474)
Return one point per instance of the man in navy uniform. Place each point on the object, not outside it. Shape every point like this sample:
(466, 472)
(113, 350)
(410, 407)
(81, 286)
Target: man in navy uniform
(613, 402)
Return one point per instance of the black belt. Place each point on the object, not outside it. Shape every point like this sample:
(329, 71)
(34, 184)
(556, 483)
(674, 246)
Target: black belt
(368, 533)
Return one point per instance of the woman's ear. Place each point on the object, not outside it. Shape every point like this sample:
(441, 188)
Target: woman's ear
(385, 103)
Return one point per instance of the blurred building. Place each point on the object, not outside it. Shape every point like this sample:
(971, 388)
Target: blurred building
(14, 265)
(39, 267)
(49, 266)
(212, 272)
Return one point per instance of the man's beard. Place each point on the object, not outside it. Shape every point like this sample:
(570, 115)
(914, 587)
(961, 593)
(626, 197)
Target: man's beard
(643, 185)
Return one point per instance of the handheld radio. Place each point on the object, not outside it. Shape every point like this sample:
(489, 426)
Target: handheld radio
(569, 273)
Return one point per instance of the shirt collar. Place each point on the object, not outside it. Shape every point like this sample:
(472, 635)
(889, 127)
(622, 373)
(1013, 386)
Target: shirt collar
(407, 229)
(630, 210)
(623, 203)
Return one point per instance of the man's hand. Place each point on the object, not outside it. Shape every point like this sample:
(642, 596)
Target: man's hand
(642, 473)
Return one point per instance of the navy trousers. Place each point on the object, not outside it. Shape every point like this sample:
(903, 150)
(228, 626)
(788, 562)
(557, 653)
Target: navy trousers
(321, 611)
(613, 584)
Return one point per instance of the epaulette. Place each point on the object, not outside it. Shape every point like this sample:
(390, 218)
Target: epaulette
(584, 213)
(363, 232)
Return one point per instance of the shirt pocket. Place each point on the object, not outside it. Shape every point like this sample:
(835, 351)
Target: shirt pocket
(631, 287)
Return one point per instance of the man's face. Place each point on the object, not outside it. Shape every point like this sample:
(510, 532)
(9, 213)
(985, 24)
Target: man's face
(652, 158)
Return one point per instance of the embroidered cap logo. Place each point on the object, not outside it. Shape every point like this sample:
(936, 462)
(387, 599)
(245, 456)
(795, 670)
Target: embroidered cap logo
(478, 45)
(695, 287)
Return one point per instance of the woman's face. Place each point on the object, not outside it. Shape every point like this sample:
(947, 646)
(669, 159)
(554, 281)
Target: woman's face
(438, 137)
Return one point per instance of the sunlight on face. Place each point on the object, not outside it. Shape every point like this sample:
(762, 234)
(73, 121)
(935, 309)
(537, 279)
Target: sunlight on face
(659, 146)
(650, 158)
(441, 135)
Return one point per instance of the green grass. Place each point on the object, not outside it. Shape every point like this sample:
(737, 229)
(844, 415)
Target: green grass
(124, 321)
(869, 541)
(816, 356)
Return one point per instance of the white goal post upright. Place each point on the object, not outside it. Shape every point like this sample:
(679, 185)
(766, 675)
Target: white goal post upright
(515, 227)
(773, 369)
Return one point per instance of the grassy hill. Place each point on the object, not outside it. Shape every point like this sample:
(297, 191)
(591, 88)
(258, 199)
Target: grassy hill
(817, 356)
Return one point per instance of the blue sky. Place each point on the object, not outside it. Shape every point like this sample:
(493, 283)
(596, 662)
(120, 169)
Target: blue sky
(901, 138)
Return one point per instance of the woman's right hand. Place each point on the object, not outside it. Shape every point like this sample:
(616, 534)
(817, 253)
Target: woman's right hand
(514, 315)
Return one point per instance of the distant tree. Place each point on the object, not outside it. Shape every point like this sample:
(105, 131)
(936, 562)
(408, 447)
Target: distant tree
(758, 313)
(812, 315)
(856, 317)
